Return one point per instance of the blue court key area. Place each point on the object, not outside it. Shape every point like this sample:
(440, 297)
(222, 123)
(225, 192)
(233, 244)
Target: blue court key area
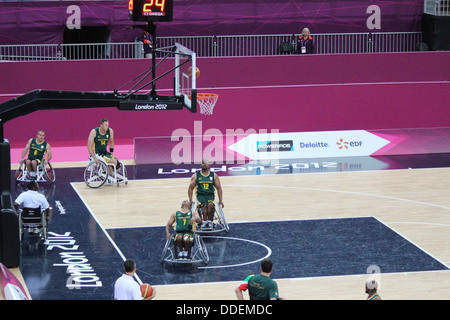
(302, 248)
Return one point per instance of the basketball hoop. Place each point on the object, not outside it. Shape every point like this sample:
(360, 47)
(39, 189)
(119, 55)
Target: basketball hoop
(207, 101)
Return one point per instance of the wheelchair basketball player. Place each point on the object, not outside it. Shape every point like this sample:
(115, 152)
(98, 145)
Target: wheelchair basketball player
(207, 183)
(185, 221)
(37, 148)
(98, 142)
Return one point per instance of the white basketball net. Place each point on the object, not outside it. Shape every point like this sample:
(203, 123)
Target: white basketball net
(207, 101)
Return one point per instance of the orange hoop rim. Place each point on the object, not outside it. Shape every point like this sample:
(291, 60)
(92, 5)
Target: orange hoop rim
(203, 96)
(206, 102)
(207, 95)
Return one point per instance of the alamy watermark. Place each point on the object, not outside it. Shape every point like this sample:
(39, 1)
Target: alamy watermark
(190, 148)
(374, 20)
(74, 20)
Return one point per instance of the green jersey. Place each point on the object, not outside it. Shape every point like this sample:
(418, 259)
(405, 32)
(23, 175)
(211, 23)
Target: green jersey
(182, 220)
(37, 151)
(260, 287)
(101, 141)
(205, 184)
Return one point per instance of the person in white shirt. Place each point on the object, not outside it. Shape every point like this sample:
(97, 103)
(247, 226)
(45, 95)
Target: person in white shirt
(33, 199)
(126, 288)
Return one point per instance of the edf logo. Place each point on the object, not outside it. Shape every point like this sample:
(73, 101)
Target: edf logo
(342, 145)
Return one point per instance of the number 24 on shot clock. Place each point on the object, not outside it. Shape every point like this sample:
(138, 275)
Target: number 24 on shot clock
(151, 10)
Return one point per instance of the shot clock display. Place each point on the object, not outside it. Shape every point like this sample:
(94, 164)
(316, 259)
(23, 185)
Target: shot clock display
(151, 10)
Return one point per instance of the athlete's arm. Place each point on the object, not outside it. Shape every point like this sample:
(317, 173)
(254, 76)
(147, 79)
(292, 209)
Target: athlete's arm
(90, 145)
(169, 225)
(239, 293)
(196, 218)
(27, 148)
(111, 139)
(243, 286)
(49, 153)
(218, 186)
(191, 188)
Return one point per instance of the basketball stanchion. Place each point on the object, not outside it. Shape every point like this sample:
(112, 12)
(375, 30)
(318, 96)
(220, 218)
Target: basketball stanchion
(207, 101)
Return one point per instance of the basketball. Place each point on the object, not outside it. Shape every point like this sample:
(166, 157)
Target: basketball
(146, 290)
(197, 72)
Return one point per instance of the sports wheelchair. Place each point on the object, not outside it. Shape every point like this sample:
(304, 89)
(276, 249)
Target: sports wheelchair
(198, 253)
(33, 219)
(98, 174)
(45, 173)
(219, 223)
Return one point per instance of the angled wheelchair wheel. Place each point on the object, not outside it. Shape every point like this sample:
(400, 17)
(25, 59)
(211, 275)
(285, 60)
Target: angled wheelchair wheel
(202, 252)
(49, 173)
(21, 231)
(96, 174)
(168, 254)
(221, 220)
(44, 231)
(20, 172)
(121, 174)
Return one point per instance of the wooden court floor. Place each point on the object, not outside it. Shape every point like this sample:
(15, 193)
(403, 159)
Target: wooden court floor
(414, 203)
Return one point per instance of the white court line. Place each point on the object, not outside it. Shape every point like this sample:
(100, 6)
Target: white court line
(284, 86)
(330, 85)
(104, 230)
(269, 252)
(411, 242)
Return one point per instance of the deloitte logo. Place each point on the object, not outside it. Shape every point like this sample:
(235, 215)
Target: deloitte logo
(270, 146)
(313, 145)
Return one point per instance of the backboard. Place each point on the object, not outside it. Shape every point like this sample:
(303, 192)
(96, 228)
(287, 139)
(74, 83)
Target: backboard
(185, 76)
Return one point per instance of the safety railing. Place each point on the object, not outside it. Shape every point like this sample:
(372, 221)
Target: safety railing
(123, 50)
(221, 46)
(324, 43)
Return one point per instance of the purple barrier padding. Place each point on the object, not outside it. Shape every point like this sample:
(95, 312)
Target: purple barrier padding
(186, 149)
(414, 141)
(153, 150)
(97, 75)
(80, 75)
(289, 109)
(289, 93)
(324, 69)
